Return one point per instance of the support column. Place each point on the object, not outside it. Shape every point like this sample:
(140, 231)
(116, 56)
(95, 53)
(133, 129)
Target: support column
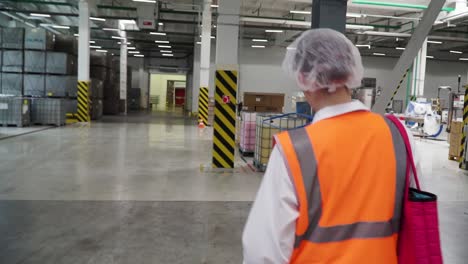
(205, 63)
(421, 70)
(83, 91)
(227, 46)
(329, 14)
(123, 67)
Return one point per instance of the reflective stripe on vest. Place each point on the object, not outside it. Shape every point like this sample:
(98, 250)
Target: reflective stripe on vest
(308, 167)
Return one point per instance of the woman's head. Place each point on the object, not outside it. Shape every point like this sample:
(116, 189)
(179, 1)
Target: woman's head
(323, 59)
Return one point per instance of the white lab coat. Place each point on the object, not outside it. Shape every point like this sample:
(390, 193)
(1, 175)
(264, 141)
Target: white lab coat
(269, 232)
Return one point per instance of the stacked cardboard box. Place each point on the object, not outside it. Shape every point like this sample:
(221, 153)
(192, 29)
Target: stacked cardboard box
(263, 102)
(455, 137)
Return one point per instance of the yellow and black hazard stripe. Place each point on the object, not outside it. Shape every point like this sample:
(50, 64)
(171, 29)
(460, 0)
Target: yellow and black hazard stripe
(462, 164)
(83, 102)
(398, 88)
(225, 119)
(203, 100)
(71, 118)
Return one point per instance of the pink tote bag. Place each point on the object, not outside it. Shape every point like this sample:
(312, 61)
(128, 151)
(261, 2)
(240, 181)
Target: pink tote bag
(419, 240)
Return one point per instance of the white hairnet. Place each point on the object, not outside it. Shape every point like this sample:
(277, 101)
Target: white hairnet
(323, 59)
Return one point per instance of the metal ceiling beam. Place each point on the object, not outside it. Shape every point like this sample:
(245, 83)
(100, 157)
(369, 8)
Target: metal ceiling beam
(415, 43)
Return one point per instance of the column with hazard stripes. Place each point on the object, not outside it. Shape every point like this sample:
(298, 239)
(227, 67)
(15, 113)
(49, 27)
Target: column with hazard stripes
(83, 102)
(225, 119)
(398, 88)
(463, 164)
(203, 100)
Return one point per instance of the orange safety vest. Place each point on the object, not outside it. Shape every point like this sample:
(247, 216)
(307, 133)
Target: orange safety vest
(349, 174)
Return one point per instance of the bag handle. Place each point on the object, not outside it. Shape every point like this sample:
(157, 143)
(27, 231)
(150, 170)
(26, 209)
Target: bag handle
(409, 152)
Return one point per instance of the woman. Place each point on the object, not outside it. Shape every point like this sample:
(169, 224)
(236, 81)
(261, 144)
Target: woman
(333, 191)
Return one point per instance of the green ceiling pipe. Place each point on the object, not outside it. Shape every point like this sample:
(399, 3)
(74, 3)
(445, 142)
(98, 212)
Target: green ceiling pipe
(40, 2)
(391, 4)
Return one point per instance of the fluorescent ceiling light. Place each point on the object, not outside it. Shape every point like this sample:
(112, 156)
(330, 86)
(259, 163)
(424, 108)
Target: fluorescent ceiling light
(97, 19)
(273, 31)
(363, 46)
(456, 52)
(95, 47)
(463, 59)
(430, 57)
(303, 12)
(60, 27)
(199, 42)
(168, 55)
(349, 26)
(76, 35)
(110, 29)
(92, 41)
(115, 37)
(164, 46)
(162, 41)
(355, 15)
(434, 42)
(146, 1)
(378, 54)
(128, 43)
(139, 55)
(165, 51)
(215, 6)
(133, 52)
(101, 50)
(387, 34)
(131, 48)
(39, 15)
(158, 33)
(161, 23)
(259, 40)
(400, 48)
(258, 46)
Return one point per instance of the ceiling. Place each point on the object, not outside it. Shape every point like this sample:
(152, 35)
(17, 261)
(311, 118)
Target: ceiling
(180, 21)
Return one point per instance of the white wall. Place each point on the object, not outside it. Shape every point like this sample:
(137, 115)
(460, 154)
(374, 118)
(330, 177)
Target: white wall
(260, 71)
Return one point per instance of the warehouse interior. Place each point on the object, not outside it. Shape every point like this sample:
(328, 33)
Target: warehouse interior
(138, 131)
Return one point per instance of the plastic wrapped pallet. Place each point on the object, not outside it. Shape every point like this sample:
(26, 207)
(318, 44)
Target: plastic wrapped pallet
(99, 59)
(38, 39)
(99, 72)
(15, 111)
(71, 106)
(268, 125)
(96, 109)
(57, 85)
(13, 38)
(61, 63)
(72, 86)
(48, 111)
(34, 61)
(34, 85)
(111, 106)
(97, 89)
(12, 61)
(67, 44)
(247, 132)
(12, 84)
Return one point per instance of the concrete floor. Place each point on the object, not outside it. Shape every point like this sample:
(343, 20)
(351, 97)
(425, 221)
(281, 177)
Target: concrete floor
(135, 190)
